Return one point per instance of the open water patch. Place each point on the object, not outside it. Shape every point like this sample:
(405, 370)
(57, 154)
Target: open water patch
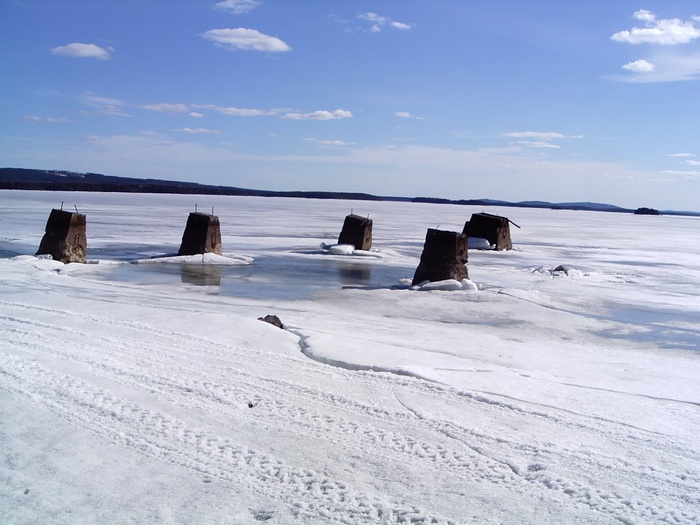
(267, 277)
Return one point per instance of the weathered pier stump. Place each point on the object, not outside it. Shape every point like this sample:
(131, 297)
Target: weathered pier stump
(444, 257)
(65, 237)
(202, 235)
(493, 228)
(357, 231)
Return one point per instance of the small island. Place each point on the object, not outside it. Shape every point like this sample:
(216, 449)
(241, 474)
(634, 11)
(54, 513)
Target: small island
(646, 211)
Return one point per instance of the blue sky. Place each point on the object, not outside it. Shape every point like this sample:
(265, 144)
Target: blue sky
(558, 100)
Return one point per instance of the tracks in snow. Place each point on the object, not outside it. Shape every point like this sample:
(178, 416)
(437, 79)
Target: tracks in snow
(138, 386)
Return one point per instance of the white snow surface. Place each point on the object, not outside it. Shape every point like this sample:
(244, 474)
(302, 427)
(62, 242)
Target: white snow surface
(562, 386)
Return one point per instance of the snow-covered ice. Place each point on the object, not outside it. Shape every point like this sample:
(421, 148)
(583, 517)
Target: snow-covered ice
(558, 385)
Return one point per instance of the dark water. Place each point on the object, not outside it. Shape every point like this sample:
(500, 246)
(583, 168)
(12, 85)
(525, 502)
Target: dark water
(267, 277)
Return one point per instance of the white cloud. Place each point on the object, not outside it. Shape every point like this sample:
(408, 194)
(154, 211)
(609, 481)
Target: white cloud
(374, 19)
(684, 173)
(244, 112)
(693, 162)
(331, 143)
(400, 25)
(668, 67)
(236, 112)
(537, 144)
(639, 66)
(167, 107)
(682, 155)
(377, 22)
(104, 105)
(246, 39)
(36, 119)
(198, 131)
(645, 15)
(667, 32)
(282, 113)
(320, 115)
(195, 114)
(237, 7)
(547, 135)
(78, 50)
(539, 139)
(407, 114)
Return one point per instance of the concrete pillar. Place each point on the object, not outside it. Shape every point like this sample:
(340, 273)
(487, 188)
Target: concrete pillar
(444, 257)
(357, 231)
(65, 237)
(202, 235)
(491, 227)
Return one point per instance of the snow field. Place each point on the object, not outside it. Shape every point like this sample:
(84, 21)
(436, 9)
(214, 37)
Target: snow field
(541, 397)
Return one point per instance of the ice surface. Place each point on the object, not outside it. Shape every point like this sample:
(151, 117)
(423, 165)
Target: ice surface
(563, 389)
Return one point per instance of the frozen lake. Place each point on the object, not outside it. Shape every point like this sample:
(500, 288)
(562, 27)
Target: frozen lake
(281, 277)
(151, 392)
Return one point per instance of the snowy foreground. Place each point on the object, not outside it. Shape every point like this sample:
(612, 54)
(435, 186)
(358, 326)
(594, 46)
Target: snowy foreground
(130, 394)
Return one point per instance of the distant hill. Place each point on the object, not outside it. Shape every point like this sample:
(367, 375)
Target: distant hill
(59, 180)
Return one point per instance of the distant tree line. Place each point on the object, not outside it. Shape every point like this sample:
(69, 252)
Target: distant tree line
(53, 180)
(646, 211)
(57, 180)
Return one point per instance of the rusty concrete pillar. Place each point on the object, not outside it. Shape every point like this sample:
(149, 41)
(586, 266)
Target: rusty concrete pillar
(357, 231)
(444, 257)
(202, 235)
(493, 228)
(65, 237)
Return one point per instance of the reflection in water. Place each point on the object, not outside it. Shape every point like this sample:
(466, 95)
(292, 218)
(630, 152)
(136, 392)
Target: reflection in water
(288, 278)
(201, 274)
(355, 274)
